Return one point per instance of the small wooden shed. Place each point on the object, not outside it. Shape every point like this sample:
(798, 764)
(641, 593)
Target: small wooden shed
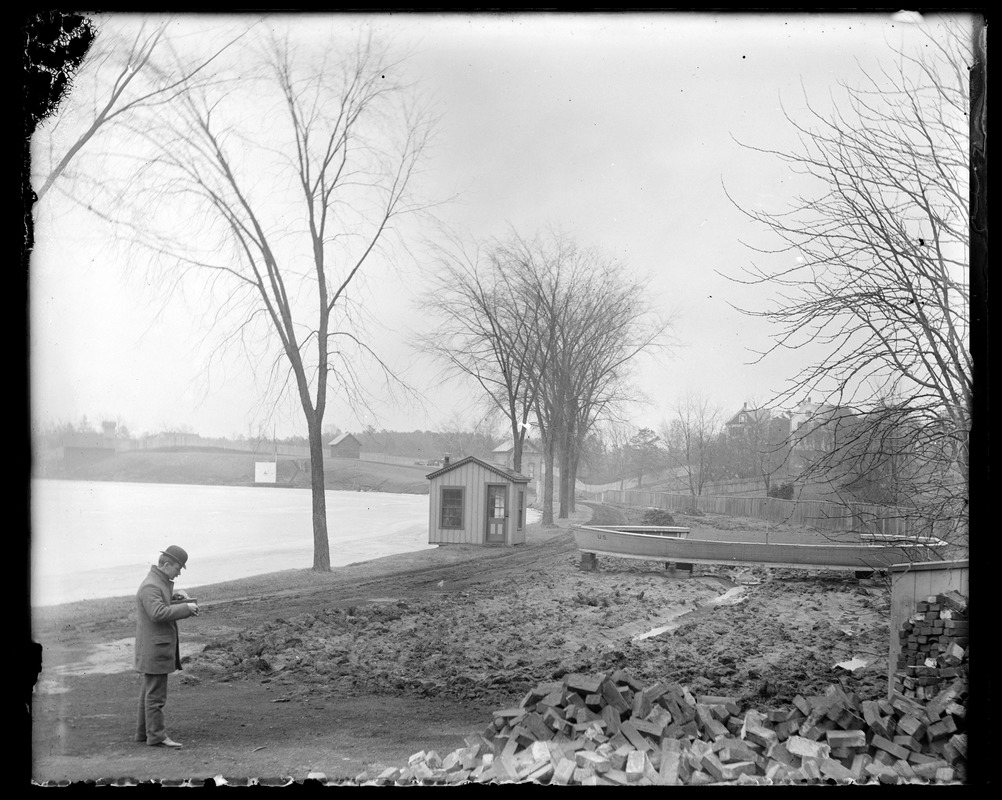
(474, 502)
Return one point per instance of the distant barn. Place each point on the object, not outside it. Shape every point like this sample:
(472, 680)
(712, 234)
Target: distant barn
(345, 446)
(473, 502)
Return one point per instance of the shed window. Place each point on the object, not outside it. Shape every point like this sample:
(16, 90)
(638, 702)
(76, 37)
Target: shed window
(452, 507)
(521, 508)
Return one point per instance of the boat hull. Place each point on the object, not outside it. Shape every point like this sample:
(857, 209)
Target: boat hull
(628, 543)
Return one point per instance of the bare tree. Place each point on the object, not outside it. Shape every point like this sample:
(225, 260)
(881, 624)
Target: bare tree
(601, 319)
(763, 443)
(616, 436)
(880, 276)
(547, 330)
(689, 439)
(460, 439)
(125, 72)
(879, 456)
(487, 303)
(268, 200)
(888, 456)
(756, 443)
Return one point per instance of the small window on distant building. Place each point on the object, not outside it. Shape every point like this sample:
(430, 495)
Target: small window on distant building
(452, 507)
(532, 469)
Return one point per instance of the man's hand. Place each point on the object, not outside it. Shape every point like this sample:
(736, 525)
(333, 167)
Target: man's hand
(193, 608)
(180, 594)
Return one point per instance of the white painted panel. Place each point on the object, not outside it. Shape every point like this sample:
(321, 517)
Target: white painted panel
(265, 471)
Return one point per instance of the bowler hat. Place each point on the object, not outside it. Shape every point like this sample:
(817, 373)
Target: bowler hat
(177, 554)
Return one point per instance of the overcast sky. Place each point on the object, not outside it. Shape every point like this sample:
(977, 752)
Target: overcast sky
(621, 129)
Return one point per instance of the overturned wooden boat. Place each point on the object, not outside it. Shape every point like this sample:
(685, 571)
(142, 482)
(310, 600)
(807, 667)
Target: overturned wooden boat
(672, 544)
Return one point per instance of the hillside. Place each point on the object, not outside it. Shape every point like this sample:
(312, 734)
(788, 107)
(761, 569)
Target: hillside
(427, 445)
(237, 469)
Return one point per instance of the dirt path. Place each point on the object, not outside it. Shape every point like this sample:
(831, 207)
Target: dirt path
(84, 703)
(356, 670)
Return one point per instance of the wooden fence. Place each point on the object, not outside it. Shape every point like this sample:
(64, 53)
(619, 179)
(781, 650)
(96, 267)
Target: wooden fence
(818, 514)
(403, 461)
(737, 487)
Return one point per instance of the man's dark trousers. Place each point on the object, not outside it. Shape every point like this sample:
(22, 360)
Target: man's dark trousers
(150, 726)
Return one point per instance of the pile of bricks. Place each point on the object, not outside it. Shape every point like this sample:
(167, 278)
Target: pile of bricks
(933, 642)
(608, 729)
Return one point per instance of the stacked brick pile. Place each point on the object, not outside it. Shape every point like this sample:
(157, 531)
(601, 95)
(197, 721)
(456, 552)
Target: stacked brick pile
(607, 729)
(934, 643)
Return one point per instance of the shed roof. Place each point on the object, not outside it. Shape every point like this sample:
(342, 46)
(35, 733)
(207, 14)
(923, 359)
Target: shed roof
(341, 438)
(510, 474)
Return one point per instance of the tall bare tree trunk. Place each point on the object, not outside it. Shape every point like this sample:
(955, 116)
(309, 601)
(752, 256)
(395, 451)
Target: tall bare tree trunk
(321, 544)
(518, 439)
(565, 473)
(573, 480)
(548, 480)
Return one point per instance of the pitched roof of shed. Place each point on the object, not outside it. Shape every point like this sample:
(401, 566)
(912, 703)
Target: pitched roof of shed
(343, 437)
(511, 475)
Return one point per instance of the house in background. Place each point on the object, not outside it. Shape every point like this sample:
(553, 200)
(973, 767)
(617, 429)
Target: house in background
(504, 455)
(474, 502)
(813, 428)
(344, 446)
(747, 420)
(807, 410)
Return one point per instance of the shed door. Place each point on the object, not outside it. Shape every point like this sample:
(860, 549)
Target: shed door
(497, 511)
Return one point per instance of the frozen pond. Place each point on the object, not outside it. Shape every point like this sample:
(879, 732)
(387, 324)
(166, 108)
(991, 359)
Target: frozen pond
(97, 539)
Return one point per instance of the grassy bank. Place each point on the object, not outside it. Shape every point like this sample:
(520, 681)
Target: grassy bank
(221, 468)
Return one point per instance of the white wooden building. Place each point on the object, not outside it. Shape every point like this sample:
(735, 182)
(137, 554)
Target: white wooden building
(474, 502)
(532, 463)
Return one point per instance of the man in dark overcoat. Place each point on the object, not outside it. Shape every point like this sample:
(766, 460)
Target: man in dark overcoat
(158, 652)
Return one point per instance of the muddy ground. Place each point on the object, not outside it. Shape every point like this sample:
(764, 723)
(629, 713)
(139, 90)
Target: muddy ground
(354, 671)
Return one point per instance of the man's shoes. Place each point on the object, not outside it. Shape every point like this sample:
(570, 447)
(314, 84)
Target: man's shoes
(167, 743)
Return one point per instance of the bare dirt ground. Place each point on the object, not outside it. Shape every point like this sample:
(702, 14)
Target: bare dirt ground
(355, 670)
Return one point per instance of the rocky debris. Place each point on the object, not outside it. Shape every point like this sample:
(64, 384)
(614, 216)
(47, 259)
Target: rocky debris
(489, 644)
(610, 728)
(783, 640)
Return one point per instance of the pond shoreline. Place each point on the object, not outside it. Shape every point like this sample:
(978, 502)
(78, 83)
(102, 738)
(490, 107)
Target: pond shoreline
(92, 539)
